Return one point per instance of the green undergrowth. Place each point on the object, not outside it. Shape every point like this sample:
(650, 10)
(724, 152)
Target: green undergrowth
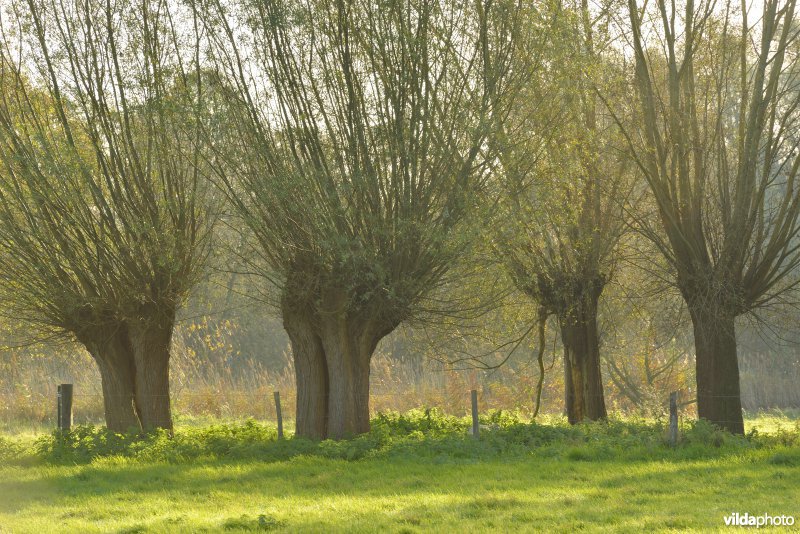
(426, 435)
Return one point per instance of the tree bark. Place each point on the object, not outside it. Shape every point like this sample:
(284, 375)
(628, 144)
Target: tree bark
(582, 376)
(717, 365)
(113, 354)
(151, 351)
(348, 351)
(311, 374)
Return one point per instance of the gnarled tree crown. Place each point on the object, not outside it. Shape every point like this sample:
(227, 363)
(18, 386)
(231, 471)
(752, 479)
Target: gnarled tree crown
(719, 146)
(364, 138)
(104, 212)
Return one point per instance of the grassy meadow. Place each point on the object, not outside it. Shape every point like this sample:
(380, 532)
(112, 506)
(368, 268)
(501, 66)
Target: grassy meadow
(414, 472)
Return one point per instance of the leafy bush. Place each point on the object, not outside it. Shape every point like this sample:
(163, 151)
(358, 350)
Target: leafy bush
(422, 434)
(704, 433)
(10, 451)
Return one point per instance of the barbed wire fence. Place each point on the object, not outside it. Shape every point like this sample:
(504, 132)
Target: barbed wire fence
(268, 407)
(82, 404)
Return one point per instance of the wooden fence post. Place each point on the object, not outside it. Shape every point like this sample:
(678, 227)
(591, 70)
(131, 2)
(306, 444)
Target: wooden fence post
(673, 418)
(277, 396)
(64, 406)
(475, 425)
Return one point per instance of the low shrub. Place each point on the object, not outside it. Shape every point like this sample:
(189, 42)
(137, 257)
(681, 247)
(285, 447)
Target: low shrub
(423, 433)
(10, 451)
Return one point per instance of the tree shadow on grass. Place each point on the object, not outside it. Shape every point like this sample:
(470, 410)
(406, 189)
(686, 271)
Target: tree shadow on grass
(400, 494)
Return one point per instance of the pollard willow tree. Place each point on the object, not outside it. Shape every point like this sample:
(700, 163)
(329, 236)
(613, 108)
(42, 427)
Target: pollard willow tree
(565, 184)
(363, 129)
(104, 216)
(718, 146)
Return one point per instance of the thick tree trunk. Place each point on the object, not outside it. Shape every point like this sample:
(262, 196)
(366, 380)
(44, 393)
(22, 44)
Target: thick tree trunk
(151, 352)
(112, 352)
(717, 365)
(582, 377)
(332, 348)
(311, 374)
(348, 357)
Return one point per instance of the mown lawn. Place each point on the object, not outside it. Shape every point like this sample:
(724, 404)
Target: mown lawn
(620, 477)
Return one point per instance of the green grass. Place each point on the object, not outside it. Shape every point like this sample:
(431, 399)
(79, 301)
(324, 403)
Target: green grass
(411, 473)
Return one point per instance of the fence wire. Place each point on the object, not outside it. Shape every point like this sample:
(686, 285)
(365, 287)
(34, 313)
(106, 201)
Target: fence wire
(199, 408)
